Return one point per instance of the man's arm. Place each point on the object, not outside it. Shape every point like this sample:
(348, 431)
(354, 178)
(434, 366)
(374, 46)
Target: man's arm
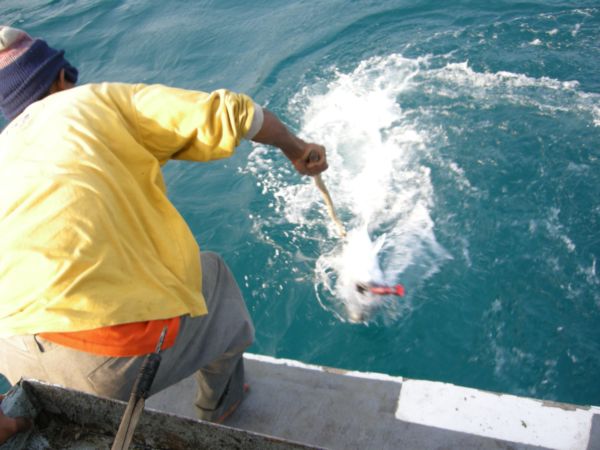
(307, 158)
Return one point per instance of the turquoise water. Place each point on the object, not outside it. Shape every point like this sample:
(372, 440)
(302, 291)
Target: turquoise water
(464, 145)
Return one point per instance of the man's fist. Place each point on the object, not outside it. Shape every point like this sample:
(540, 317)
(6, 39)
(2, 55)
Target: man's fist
(313, 160)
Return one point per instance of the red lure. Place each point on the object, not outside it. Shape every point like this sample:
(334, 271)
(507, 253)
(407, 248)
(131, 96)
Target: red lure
(380, 290)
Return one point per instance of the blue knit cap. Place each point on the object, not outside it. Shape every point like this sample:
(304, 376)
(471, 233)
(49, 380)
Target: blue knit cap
(27, 70)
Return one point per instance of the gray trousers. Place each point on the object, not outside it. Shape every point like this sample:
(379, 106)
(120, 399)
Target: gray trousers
(210, 346)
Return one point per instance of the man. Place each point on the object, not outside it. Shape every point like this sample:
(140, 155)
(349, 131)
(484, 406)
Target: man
(96, 261)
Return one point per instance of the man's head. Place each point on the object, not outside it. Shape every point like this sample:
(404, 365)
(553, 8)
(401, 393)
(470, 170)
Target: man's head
(29, 70)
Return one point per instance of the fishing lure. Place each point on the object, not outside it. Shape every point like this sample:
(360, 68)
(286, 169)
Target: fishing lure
(375, 289)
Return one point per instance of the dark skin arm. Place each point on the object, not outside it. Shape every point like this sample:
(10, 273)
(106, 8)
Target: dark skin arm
(10, 426)
(308, 158)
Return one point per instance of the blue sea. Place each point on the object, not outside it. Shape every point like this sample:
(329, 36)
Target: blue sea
(464, 146)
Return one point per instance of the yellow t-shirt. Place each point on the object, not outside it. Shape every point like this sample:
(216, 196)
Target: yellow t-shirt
(88, 237)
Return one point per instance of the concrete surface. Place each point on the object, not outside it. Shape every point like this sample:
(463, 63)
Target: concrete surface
(351, 410)
(66, 419)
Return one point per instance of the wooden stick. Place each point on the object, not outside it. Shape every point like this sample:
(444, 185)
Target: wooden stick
(330, 209)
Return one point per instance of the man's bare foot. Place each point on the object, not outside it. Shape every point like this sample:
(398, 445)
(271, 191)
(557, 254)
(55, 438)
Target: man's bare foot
(233, 407)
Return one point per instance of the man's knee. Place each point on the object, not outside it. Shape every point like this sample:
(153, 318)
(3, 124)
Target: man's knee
(217, 279)
(224, 298)
(211, 260)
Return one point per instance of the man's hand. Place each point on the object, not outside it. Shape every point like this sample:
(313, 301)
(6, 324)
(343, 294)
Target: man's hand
(10, 426)
(313, 161)
(307, 158)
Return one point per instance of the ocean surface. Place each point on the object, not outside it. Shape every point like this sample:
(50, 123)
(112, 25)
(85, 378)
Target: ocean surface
(464, 149)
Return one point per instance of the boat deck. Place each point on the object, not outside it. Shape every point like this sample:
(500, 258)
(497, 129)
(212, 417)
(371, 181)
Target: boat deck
(292, 405)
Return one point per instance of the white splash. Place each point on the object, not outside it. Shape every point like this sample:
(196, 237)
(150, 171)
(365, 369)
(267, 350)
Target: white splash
(378, 182)
(381, 145)
(462, 75)
(356, 261)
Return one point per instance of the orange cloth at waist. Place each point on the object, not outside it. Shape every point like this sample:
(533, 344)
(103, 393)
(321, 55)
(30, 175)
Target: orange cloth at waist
(129, 339)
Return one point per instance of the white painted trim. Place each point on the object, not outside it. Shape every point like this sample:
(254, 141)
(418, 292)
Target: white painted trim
(347, 373)
(501, 416)
(281, 361)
